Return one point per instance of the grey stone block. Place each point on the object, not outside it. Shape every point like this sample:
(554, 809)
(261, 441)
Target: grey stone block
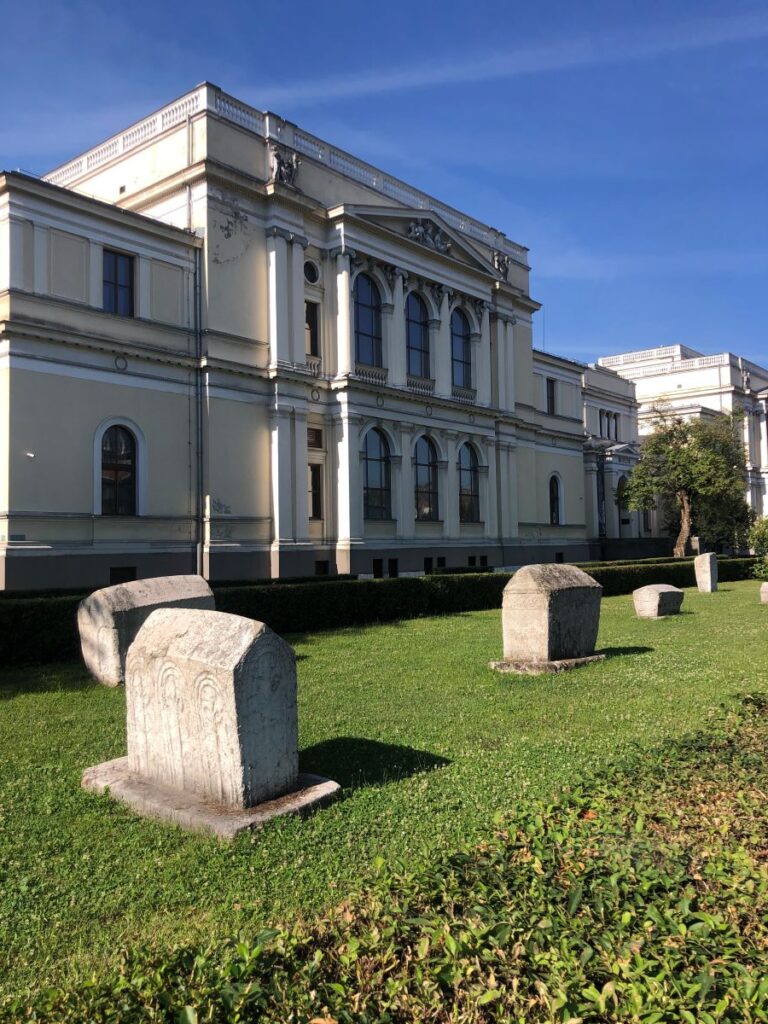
(705, 567)
(109, 619)
(550, 614)
(657, 600)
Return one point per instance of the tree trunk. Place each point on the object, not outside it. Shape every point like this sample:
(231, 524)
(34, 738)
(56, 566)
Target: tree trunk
(685, 524)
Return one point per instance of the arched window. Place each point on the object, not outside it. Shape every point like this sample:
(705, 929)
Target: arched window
(554, 501)
(377, 485)
(368, 349)
(426, 480)
(461, 351)
(417, 336)
(469, 485)
(118, 472)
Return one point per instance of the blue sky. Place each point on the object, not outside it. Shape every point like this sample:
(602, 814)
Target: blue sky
(623, 142)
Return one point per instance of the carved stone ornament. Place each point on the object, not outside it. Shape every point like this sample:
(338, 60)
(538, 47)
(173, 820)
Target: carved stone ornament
(285, 168)
(501, 262)
(428, 234)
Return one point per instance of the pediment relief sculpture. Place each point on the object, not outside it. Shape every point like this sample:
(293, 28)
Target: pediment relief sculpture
(430, 235)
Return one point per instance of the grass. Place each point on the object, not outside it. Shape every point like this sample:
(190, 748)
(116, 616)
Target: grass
(428, 743)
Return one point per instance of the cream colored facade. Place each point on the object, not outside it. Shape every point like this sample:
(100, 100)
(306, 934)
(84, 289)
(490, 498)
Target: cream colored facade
(233, 220)
(691, 384)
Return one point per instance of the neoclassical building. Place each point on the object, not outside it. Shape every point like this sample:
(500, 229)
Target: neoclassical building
(229, 346)
(680, 379)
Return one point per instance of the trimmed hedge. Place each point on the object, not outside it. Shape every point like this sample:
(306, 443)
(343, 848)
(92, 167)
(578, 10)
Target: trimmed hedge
(42, 630)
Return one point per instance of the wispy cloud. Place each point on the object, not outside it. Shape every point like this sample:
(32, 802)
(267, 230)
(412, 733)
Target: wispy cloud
(575, 52)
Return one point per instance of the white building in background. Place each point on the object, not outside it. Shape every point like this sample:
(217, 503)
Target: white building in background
(228, 345)
(691, 384)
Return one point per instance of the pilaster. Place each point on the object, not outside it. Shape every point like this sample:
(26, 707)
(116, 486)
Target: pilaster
(298, 353)
(344, 319)
(282, 476)
(442, 362)
(279, 324)
(300, 476)
(406, 526)
(394, 338)
(349, 491)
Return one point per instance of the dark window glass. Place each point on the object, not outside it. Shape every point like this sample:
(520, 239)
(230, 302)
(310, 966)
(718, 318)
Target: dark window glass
(393, 570)
(554, 501)
(378, 568)
(314, 437)
(311, 273)
(377, 487)
(118, 283)
(461, 352)
(646, 521)
(551, 396)
(427, 566)
(472, 561)
(469, 485)
(417, 336)
(367, 322)
(315, 491)
(616, 426)
(484, 561)
(425, 465)
(118, 472)
(321, 567)
(441, 561)
(312, 328)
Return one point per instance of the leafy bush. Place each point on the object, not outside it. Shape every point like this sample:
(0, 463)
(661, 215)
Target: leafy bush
(638, 895)
(758, 541)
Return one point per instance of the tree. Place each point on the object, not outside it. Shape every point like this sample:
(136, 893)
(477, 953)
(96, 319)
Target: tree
(698, 467)
(758, 541)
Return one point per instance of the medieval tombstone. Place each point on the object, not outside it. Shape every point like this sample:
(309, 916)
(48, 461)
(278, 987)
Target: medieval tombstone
(550, 619)
(212, 726)
(109, 619)
(705, 567)
(764, 593)
(657, 600)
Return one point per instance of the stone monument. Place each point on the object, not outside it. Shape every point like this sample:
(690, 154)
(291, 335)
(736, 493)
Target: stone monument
(212, 725)
(550, 619)
(705, 567)
(109, 619)
(764, 593)
(657, 601)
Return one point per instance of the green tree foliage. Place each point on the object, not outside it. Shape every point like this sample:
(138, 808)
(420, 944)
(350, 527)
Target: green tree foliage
(758, 541)
(699, 468)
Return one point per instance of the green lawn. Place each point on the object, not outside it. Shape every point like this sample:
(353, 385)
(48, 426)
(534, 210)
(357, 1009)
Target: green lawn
(427, 742)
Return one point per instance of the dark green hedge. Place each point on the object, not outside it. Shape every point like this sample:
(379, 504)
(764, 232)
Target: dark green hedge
(41, 630)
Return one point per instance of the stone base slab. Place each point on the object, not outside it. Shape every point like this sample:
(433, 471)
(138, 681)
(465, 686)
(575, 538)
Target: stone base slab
(539, 668)
(151, 800)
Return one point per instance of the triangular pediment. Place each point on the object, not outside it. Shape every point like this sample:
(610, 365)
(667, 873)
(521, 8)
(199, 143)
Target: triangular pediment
(423, 229)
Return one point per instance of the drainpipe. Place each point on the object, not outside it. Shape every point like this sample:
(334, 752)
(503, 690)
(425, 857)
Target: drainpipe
(199, 384)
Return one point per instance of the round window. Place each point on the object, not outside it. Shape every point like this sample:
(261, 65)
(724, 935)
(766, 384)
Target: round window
(311, 272)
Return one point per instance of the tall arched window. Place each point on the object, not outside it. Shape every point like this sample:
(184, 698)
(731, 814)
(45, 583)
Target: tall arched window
(377, 484)
(554, 501)
(461, 351)
(368, 348)
(118, 472)
(469, 485)
(417, 336)
(426, 480)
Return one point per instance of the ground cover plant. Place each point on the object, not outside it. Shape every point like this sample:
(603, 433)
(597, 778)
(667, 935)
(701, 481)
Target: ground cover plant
(431, 747)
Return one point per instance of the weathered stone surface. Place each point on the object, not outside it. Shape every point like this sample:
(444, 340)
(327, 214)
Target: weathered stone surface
(764, 593)
(705, 567)
(211, 701)
(192, 812)
(540, 668)
(109, 619)
(657, 600)
(550, 613)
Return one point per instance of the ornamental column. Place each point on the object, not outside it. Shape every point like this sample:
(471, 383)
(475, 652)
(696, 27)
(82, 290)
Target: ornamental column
(281, 472)
(298, 354)
(279, 320)
(406, 502)
(509, 362)
(451, 499)
(499, 323)
(345, 354)
(300, 478)
(443, 378)
(349, 491)
(395, 338)
(492, 523)
(483, 352)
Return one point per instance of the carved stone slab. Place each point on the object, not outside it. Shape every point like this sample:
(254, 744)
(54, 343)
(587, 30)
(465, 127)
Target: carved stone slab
(109, 619)
(657, 600)
(764, 593)
(705, 567)
(211, 702)
(550, 615)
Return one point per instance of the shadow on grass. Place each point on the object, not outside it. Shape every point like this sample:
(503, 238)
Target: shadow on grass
(618, 652)
(59, 678)
(355, 762)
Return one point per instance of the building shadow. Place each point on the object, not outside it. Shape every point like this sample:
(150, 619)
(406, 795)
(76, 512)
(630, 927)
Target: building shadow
(57, 678)
(355, 762)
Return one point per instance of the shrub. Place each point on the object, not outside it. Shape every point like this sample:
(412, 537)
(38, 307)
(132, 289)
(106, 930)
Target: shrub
(758, 540)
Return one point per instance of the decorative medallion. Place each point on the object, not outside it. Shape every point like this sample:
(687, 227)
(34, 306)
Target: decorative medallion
(121, 362)
(428, 410)
(314, 394)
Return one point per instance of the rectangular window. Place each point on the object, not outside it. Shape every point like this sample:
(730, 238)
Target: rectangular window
(427, 566)
(322, 567)
(551, 396)
(314, 437)
(315, 491)
(441, 561)
(393, 569)
(484, 561)
(312, 328)
(472, 561)
(118, 283)
(378, 568)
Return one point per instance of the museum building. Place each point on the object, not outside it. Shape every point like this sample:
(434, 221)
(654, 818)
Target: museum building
(227, 346)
